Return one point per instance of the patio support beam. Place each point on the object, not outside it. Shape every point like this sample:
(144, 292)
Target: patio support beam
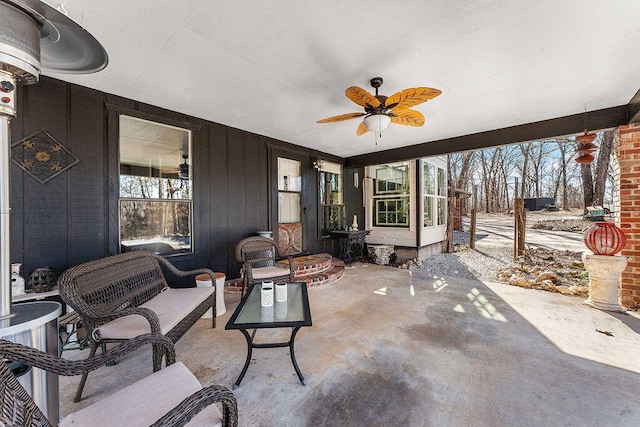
(600, 119)
(634, 108)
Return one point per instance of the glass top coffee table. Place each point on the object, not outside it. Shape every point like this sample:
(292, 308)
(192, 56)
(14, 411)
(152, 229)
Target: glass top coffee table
(294, 313)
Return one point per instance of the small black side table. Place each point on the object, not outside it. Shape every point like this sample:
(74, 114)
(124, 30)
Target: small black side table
(293, 313)
(351, 244)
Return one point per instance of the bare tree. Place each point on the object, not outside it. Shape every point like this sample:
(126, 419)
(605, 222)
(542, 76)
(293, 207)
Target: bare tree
(562, 147)
(604, 158)
(537, 162)
(593, 190)
(526, 153)
(544, 167)
(460, 174)
(490, 160)
(465, 170)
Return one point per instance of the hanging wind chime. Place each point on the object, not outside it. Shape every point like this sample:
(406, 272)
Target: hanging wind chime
(586, 147)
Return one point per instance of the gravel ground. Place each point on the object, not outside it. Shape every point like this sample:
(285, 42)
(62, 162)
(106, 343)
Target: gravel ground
(485, 261)
(482, 263)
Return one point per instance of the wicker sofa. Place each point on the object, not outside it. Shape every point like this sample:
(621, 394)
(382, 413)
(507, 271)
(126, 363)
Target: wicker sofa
(177, 397)
(123, 296)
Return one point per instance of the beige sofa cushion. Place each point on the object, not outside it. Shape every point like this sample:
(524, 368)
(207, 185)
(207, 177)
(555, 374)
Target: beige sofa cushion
(171, 306)
(146, 401)
(267, 272)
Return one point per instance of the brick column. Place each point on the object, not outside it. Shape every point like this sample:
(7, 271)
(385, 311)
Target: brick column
(628, 196)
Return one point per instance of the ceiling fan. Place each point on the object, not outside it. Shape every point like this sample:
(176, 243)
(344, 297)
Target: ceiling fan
(380, 110)
(182, 170)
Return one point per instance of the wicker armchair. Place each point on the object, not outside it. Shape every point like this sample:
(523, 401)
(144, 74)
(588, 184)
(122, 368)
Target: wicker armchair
(122, 296)
(17, 408)
(259, 256)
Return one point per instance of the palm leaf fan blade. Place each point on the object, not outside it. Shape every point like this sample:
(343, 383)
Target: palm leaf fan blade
(341, 117)
(407, 118)
(361, 97)
(362, 129)
(411, 97)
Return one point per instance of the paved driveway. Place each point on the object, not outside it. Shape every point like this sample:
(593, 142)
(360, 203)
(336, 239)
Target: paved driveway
(498, 230)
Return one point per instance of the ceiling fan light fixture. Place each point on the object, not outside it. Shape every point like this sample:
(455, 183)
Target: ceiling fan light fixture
(377, 122)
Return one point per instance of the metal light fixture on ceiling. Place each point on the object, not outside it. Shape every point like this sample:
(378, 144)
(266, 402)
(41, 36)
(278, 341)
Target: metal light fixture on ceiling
(317, 163)
(377, 122)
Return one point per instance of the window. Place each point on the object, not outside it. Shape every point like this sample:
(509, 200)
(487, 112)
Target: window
(428, 193)
(331, 198)
(434, 193)
(391, 195)
(289, 191)
(290, 227)
(442, 182)
(156, 187)
(442, 197)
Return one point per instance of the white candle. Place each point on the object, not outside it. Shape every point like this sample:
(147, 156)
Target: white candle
(266, 294)
(281, 292)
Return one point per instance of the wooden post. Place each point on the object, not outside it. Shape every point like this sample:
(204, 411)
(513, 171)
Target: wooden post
(519, 228)
(515, 220)
(515, 229)
(449, 229)
(522, 222)
(472, 228)
(448, 248)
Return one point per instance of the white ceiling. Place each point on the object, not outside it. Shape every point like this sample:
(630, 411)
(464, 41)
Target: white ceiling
(276, 67)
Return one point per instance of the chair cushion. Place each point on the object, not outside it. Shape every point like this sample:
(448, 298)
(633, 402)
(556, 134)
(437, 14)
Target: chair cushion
(146, 401)
(171, 306)
(268, 272)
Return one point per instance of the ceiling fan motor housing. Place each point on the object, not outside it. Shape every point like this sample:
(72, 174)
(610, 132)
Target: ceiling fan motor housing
(376, 82)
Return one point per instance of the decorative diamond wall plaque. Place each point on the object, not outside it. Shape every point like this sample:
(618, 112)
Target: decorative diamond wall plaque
(41, 156)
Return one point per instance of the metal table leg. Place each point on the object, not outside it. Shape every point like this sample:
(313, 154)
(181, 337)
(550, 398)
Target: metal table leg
(249, 352)
(251, 346)
(293, 354)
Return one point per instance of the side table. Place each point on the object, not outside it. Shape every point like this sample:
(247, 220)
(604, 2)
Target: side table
(293, 313)
(203, 281)
(351, 244)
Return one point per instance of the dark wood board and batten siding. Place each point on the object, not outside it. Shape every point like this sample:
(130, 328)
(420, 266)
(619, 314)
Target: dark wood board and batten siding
(44, 229)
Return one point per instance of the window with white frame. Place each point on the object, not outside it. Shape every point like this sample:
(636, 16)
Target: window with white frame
(441, 208)
(391, 195)
(428, 193)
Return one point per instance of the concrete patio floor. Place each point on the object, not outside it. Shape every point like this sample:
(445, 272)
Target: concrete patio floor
(394, 347)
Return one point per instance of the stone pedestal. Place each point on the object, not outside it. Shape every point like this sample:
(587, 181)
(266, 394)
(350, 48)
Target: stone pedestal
(380, 253)
(604, 276)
